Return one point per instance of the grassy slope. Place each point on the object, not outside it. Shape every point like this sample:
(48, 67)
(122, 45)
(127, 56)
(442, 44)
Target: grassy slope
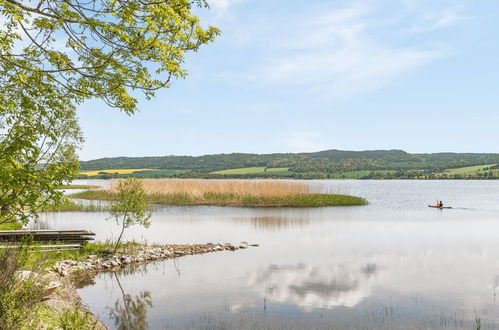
(470, 170)
(312, 200)
(277, 169)
(244, 170)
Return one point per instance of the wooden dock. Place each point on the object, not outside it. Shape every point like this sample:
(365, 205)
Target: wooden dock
(59, 236)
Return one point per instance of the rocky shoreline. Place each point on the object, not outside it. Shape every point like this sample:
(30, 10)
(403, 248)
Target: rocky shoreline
(141, 255)
(63, 272)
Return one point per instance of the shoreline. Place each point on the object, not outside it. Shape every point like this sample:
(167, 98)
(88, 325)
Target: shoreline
(67, 272)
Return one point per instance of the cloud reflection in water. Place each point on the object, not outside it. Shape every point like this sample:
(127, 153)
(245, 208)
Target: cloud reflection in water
(311, 287)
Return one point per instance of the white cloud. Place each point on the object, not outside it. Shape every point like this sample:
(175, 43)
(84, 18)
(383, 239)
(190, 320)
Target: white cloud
(221, 7)
(333, 52)
(440, 19)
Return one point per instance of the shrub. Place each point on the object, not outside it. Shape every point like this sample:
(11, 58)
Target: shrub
(74, 319)
(21, 290)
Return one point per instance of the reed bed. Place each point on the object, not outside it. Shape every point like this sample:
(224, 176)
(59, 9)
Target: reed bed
(246, 193)
(197, 188)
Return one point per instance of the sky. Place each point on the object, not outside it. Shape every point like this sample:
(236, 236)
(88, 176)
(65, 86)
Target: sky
(302, 76)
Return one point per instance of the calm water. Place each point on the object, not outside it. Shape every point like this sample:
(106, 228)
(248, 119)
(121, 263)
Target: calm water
(392, 264)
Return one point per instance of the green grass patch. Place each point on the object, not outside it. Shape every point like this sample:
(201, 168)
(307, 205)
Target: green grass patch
(310, 200)
(244, 170)
(469, 170)
(72, 206)
(50, 258)
(277, 169)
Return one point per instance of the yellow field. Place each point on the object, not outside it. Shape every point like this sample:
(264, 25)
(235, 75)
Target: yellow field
(112, 171)
(199, 187)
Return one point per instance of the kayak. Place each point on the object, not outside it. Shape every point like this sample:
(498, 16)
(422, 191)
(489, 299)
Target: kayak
(439, 207)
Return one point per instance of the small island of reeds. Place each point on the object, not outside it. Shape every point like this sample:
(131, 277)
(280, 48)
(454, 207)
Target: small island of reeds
(243, 193)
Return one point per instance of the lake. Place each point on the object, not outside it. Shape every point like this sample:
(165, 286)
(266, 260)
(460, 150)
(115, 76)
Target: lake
(394, 263)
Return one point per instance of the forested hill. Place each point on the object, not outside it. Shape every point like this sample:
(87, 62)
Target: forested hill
(329, 163)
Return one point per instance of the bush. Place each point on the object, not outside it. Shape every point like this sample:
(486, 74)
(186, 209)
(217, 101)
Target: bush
(76, 320)
(20, 292)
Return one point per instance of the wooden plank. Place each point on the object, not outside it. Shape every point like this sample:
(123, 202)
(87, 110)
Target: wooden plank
(47, 235)
(43, 246)
(45, 232)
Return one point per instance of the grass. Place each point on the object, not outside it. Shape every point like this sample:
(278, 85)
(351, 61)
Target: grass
(197, 187)
(245, 193)
(71, 206)
(469, 170)
(244, 170)
(98, 249)
(115, 171)
(252, 170)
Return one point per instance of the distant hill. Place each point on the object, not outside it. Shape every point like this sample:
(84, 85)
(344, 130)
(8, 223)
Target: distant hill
(322, 164)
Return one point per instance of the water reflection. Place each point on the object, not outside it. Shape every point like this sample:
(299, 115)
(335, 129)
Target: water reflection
(276, 223)
(392, 264)
(130, 312)
(310, 287)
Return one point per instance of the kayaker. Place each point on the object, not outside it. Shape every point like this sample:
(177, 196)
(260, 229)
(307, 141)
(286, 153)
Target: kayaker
(441, 204)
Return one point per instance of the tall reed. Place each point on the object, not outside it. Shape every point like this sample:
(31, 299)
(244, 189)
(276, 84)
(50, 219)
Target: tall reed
(241, 188)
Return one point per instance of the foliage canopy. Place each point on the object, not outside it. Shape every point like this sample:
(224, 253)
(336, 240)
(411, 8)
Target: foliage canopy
(54, 55)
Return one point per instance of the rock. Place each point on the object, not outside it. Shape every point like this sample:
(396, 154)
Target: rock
(25, 274)
(243, 247)
(255, 245)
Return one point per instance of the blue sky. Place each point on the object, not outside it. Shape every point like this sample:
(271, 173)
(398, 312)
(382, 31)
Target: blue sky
(296, 76)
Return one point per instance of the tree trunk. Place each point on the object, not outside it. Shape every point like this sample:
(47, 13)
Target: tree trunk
(119, 238)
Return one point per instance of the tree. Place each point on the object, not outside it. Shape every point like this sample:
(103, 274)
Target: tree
(130, 207)
(39, 135)
(54, 55)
